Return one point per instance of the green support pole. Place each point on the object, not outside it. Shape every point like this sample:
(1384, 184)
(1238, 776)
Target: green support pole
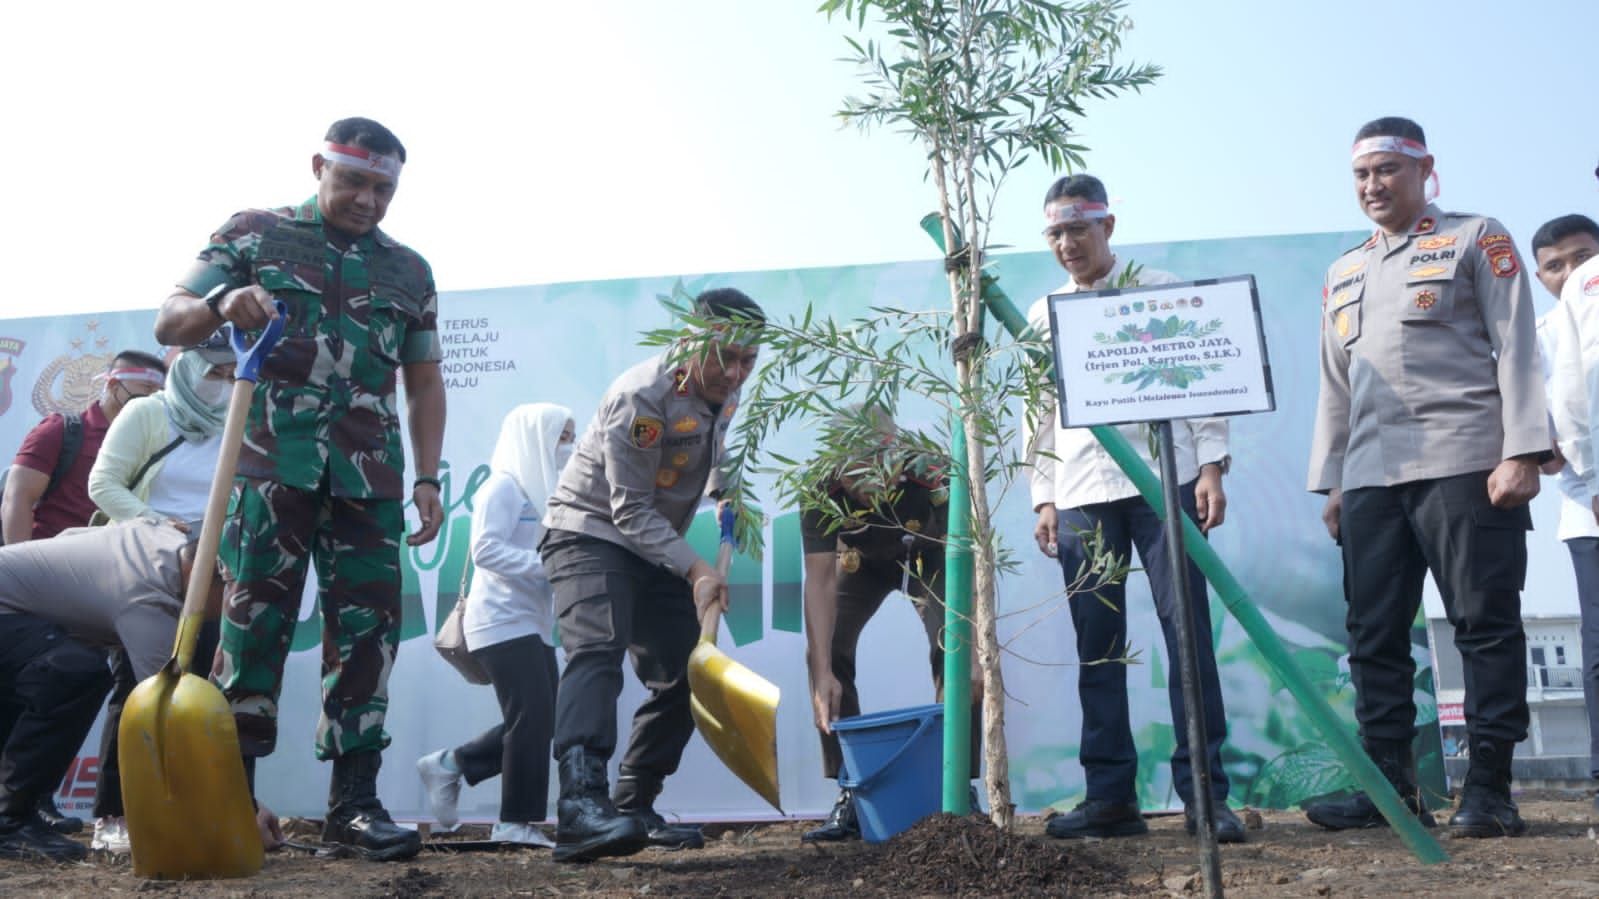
(957, 631)
(1337, 734)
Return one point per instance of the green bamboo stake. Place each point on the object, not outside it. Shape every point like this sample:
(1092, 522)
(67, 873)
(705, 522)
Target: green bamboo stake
(957, 631)
(1337, 734)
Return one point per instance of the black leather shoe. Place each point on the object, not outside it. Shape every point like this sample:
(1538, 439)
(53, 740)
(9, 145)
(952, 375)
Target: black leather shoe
(635, 795)
(357, 820)
(840, 825)
(56, 821)
(1098, 818)
(1358, 811)
(1228, 828)
(1486, 809)
(30, 839)
(589, 826)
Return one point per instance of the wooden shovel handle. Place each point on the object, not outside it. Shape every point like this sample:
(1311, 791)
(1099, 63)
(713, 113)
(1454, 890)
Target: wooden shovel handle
(724, 563)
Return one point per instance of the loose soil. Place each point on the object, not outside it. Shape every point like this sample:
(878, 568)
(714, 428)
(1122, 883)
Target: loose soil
(942, 856)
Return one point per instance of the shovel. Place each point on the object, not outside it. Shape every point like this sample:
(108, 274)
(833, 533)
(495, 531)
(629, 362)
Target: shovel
(189, 810)
(735, 708)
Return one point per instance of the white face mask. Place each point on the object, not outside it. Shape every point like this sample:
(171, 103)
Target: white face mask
(563, 455)
(211, 391)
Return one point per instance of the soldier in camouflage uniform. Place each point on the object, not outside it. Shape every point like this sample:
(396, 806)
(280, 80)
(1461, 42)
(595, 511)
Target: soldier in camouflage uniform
(321, 471)
(884, 532)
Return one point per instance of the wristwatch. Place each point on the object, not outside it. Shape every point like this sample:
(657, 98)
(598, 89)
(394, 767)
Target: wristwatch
(213, 300)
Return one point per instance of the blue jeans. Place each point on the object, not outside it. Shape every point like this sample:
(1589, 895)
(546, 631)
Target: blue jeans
(1099, 615)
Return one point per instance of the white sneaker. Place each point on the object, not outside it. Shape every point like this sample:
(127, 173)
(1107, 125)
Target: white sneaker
(111, 835)
(443, 787)
(526, 834)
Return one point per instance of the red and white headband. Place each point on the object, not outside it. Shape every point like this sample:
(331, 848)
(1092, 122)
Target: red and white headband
(1062, 213)
(1415, 149)
(360, 158)
(148, 375)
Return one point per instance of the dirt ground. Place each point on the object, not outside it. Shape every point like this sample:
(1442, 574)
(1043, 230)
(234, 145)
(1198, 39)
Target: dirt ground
(942, 856)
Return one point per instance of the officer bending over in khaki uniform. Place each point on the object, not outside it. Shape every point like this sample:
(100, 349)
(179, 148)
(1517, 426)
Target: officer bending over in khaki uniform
(626, 582)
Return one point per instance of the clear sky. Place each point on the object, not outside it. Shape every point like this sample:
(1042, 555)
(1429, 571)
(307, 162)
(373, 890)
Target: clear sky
(617, 138)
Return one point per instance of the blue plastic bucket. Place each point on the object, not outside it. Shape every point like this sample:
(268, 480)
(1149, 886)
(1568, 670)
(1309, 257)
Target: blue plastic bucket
(894, 763)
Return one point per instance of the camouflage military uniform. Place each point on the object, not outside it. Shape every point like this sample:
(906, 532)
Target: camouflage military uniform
(321, 471)
(872, 562)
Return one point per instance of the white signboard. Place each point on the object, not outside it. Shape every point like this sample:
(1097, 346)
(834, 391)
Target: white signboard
(1167, 352)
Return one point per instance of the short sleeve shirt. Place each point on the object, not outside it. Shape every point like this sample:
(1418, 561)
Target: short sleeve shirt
(67, 505)
(325, 405)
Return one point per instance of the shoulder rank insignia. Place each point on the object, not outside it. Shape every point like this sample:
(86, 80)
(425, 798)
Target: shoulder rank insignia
(1425, 226)
(680, 382)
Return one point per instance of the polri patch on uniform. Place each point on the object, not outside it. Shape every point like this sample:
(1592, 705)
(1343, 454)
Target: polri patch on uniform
(688, 424)
(666, 477)
(1590, 287)
(1436, 243)
(646, 431)
(1502, 259)
(1426, 299)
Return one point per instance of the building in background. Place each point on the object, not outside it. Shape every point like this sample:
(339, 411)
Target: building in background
(1555, 753)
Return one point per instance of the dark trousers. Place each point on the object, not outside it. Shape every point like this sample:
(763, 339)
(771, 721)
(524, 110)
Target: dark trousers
(108, 788)
(57, 684)
(1099, 615)
(1392, 536)
(523, 673)
(860, 595)
(1585, 560)
(611, 603)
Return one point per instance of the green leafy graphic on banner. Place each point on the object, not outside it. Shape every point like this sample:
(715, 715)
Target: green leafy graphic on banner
(1167, 372)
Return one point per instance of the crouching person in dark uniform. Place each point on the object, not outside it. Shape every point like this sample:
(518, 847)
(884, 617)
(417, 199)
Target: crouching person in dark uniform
(627, 583)
(880, 537)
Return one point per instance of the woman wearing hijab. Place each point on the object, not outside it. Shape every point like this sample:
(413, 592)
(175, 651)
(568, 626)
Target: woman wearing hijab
(508, 624)
(156, 463)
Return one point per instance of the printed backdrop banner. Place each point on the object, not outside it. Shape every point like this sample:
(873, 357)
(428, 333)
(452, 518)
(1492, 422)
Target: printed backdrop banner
(564, 343)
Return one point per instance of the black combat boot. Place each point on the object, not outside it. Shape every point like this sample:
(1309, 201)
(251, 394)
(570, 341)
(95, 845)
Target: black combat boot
(1486, 809)
(357, 819)
(841, 823)
(588, 826)
(58, 822)
(1392, 758)
(635, 795)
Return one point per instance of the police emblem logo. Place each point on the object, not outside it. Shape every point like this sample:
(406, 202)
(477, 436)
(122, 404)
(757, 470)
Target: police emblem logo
(646, 431)
(1429, 271)
(686, 425)
(666, 478)
(1436, 243)
(1502, 259)
(1425, 300)
(850, 560)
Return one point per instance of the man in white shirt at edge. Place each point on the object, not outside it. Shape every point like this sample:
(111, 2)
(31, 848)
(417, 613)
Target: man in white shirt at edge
(1561, 247)
(1077, 488)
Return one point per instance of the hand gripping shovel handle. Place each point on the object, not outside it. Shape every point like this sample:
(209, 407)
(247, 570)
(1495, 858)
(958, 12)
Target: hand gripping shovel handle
(245, 374)
(724, 561)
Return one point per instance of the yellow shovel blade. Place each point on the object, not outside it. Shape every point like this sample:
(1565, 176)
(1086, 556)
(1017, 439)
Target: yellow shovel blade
(736, 710)
(188, 806)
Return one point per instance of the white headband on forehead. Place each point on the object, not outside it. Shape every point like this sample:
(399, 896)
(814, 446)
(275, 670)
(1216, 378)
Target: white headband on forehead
(1387, 144)
(361, 158)
(148, 375)
(1404, 146)
(1062, 213)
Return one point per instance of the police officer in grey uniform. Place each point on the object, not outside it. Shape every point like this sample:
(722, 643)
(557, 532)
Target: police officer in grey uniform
(1430, 427)
(626, 582)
